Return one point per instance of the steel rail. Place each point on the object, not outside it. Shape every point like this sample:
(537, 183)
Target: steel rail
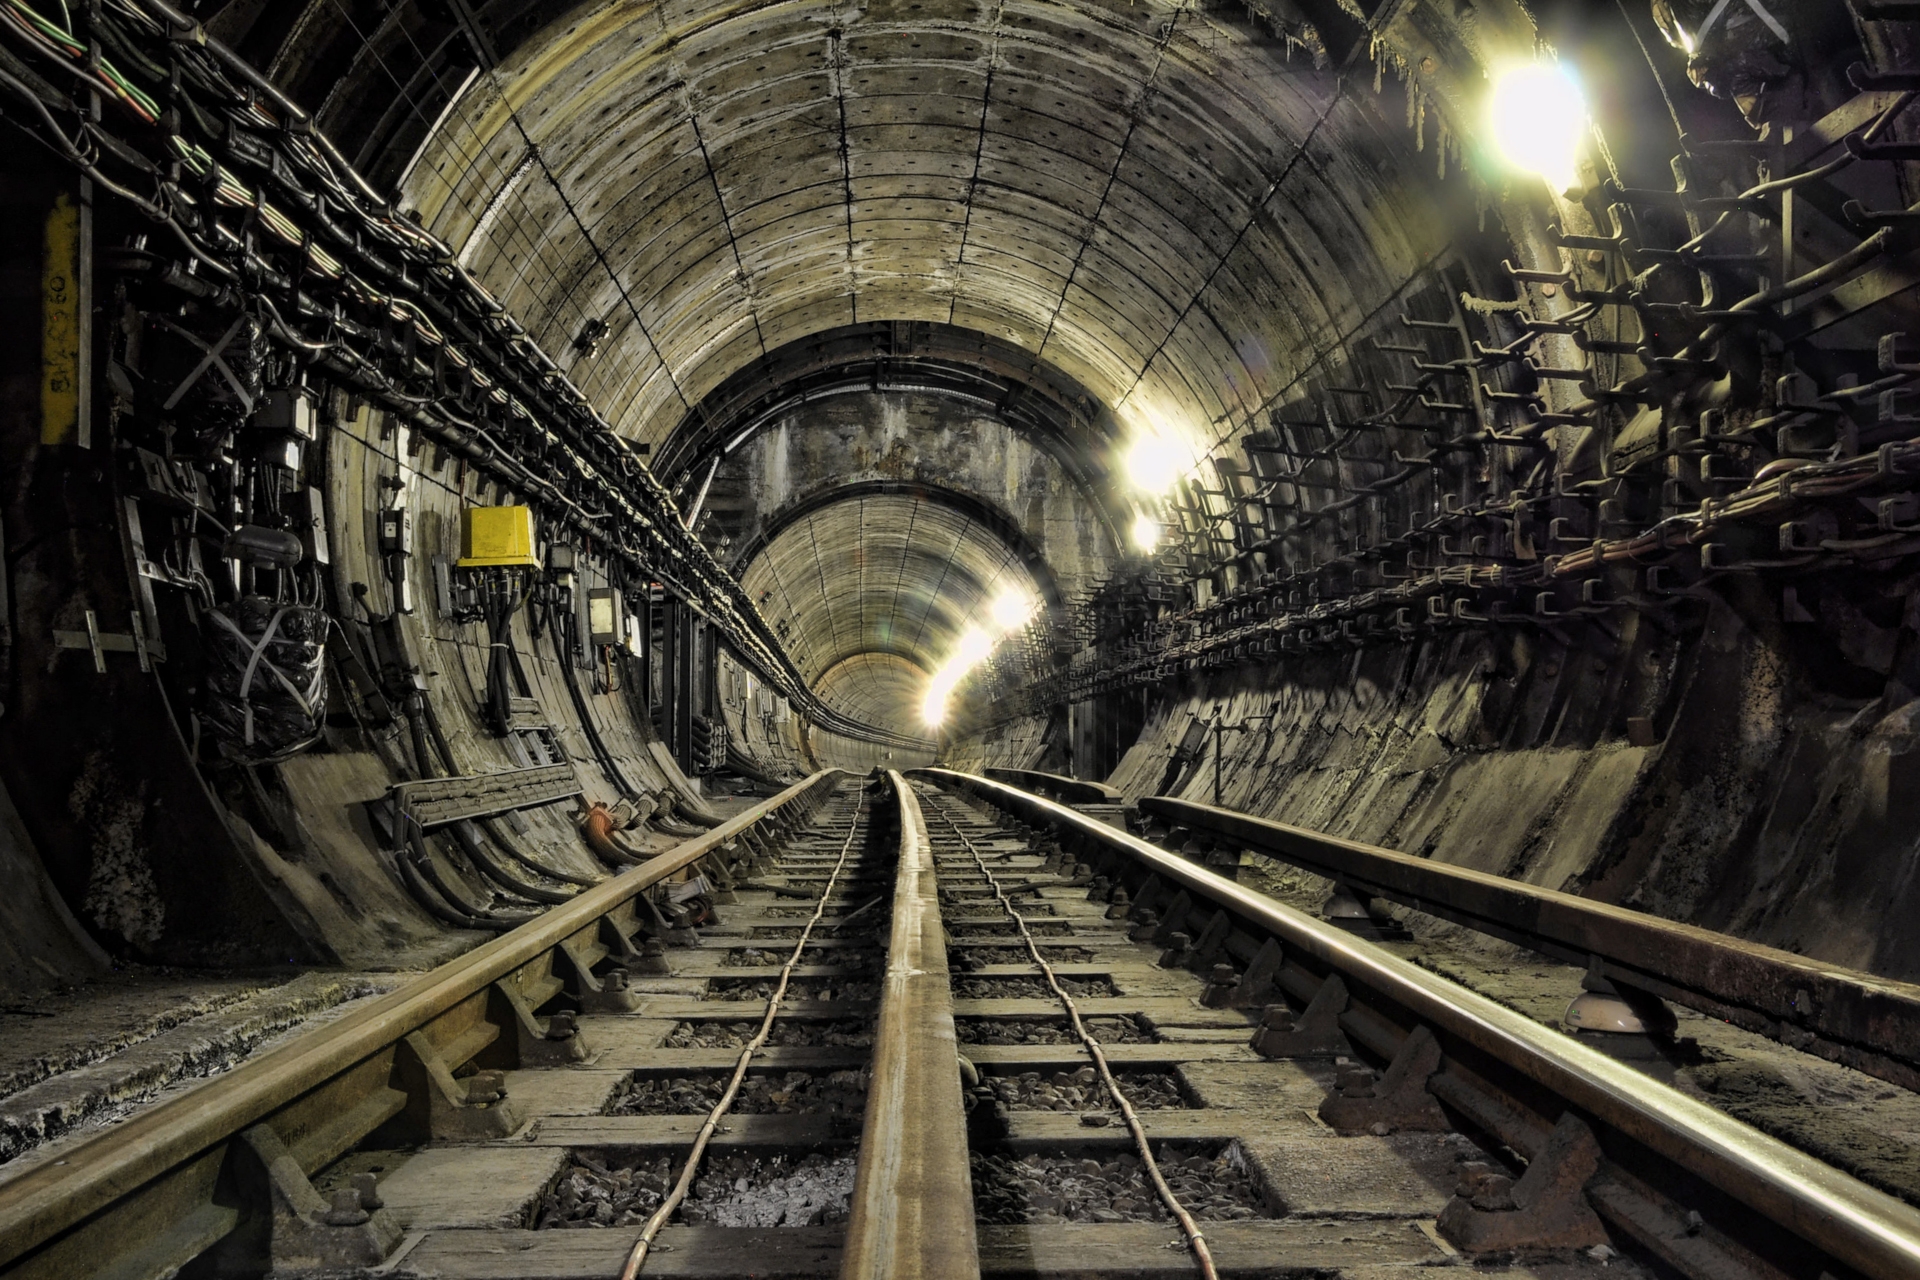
(911, 1214)
(1867, 1022)
(1070, 790)
(1856, 1224)
(51, 1198)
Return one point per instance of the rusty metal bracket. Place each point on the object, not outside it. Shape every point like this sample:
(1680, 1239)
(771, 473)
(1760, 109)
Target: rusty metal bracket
(474, 1109)
(553, 1041)
(1364, 1103)
(1314, 1033)
(307, 1232)
(597, 993)
(1546, 1209)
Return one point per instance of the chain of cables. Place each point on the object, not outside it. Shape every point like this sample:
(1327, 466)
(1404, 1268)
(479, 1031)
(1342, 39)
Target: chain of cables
(275, 219)
(1189, 1228)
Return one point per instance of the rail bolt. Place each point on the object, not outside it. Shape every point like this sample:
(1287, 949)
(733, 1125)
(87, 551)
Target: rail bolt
(1222, 983)
(346, 1210)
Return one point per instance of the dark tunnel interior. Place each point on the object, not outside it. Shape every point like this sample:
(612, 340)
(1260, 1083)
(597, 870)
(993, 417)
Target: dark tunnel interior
(1483, 430)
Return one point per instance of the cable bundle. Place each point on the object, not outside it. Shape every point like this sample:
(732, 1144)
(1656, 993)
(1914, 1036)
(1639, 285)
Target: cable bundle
(266, 693)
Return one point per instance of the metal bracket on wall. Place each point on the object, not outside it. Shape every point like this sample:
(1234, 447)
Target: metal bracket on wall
(147, 650)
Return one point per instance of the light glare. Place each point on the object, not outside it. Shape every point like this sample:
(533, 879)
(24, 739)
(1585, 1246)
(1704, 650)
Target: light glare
(1153, 462)
(1539, 121)
(1012, 609)
(1146, 532)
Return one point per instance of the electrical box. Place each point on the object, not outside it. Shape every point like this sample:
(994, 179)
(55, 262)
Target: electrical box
(497, 537)
(606, 616)
(307, 519)
(287, 412)
(396, 532)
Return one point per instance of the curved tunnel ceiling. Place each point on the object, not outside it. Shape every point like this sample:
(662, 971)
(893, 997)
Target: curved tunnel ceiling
(975, 515)
(1149, 197)
(975, 371)
(876, 688)
(882, 573)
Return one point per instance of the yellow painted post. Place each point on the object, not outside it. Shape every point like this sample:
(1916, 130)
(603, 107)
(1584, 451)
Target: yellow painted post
(64, 326)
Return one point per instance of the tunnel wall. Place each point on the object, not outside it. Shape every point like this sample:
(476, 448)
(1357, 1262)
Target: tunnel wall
(1754, 799)
(906, 437)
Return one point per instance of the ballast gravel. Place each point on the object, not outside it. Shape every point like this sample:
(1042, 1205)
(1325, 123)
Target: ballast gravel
(844, 1033)
(1018, 955)
(1034, 988)
(791, 1093)
(733, 1191)
(852, 959)
(808, 989)
(991, 929)
(1060, 1187)
(1120, 1029)
(1083, 1090)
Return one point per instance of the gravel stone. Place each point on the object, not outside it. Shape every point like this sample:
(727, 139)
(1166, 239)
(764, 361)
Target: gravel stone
(733, 1191)
(992, 929)
(1034, 988)
(801, 989)
(852, 959)
(1018, 955)
(991, 910)
(845, 1033)
(1083, 1091)
(1120, 1029)
(793, 1093)
(1214, 1185)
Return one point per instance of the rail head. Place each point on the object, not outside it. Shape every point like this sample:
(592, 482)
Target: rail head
(42, 1202)
(911, 1216)
(1855, 1223)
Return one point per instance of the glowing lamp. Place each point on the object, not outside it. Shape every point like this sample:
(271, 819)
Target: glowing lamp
(1538, 118)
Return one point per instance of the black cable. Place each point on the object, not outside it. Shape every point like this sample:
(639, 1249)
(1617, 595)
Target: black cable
(444, 901)
(562, 639)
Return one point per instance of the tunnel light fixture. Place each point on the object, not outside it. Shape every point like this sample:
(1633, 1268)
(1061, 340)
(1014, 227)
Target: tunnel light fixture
(1146, 533)
(1010, 610)
(975, 645)
(933, 708)
(1538, 118)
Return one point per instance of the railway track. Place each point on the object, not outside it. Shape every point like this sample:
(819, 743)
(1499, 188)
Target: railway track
(925, 1036)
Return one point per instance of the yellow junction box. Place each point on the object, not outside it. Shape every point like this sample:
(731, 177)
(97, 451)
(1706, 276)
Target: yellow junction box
(497, 537)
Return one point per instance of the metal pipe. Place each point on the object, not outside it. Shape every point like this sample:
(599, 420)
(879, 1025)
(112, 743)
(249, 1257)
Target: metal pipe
(911, 1215)
(1857, 1224)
